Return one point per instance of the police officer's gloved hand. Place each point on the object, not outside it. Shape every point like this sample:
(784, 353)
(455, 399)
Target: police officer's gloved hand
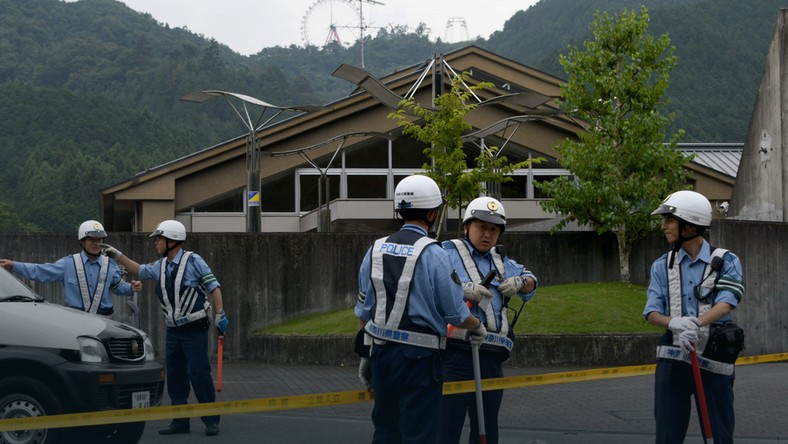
(511, 286)
(476, 336)
(680, 324)
(365, 373)
(111, 252)
(475, 292)
(687, 340)
(221, 322)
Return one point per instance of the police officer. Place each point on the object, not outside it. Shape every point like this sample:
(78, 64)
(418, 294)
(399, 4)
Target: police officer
(184, 281)
(89, 278)
(474, 256)
(692, 292)
(406, 298)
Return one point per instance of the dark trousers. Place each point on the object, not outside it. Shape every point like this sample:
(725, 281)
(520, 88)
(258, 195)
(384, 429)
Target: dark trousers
(674, 387)
(458, 366)
(187, 364)
(408, 386)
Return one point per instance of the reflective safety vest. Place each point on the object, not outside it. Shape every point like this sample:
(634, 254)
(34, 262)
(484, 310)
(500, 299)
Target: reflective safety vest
(184, 305)
(91, 303)
(391, 321)
(674, 292)
(495, 337)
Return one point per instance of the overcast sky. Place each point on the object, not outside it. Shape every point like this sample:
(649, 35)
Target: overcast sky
(247, 26)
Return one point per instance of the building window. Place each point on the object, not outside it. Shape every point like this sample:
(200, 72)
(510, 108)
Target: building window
(408, 153)
(232, 202)
(366, 187)
(278, 195)
(310, 187)
(373, 154)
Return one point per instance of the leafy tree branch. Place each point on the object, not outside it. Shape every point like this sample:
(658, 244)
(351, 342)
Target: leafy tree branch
(622, 165)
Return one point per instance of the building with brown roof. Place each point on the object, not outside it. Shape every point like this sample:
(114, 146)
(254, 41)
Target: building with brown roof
(361, 154)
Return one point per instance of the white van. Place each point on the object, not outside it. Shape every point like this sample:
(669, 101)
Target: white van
(56, 360)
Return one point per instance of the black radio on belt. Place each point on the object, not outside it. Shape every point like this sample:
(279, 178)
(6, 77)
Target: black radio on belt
(725, 343)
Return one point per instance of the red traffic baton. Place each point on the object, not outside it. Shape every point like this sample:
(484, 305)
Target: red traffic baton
(219, 359)
(703, 409)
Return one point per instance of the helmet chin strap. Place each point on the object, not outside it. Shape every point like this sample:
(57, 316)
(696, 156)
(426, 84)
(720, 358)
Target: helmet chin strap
(167, 248)
(680, 242)
(468, 238)
(429, 222)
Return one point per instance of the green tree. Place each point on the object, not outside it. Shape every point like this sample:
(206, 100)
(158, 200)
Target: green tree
(622, 168)
(9, 221)
(442, 127)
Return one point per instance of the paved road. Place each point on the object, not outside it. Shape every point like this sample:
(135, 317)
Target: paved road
(609, 411)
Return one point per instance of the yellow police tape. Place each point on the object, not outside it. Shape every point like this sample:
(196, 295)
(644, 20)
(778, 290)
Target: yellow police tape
(329, 399)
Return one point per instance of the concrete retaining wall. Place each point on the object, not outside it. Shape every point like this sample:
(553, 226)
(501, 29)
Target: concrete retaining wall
(529, 350)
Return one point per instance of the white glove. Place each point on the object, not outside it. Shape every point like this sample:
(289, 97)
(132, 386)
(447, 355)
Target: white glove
(511, 286)
(365, 373)
(221, 322)
(475, 292)
(476, 336)
(687, 339)
(680, 324)
(111, 252)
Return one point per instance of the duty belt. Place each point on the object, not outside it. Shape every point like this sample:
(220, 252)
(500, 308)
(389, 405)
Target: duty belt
(677, 354)
(384, 334)
(493, 339)
(196, 316)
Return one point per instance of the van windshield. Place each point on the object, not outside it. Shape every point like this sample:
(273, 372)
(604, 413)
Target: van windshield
(12, 288)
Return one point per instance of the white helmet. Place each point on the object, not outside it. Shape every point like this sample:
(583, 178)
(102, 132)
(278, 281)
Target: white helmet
(688, 206)
(91, 228)
(417, 192)
(486, 209)
(170, 229)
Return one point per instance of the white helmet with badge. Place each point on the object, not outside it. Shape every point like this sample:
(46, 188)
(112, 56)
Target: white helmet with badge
(486, 209)
(170, 229)
(91, 228)
(688, 206)
(417, 192)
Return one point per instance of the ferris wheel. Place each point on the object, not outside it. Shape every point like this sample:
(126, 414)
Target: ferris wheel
(331, 21)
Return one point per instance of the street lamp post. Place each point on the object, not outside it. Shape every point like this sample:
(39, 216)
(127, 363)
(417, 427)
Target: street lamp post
(253, 210)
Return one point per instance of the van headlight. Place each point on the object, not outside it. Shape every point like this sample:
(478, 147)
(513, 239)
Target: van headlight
(91, 350)
(150, 355)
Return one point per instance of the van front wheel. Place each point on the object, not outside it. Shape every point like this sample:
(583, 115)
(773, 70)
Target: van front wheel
(22, 397)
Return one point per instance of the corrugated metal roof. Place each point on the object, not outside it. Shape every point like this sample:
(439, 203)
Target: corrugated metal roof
(721, 157)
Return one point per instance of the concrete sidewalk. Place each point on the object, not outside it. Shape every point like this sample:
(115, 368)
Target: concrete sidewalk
(602, 411)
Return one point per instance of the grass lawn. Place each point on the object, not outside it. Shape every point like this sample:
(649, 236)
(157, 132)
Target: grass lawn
(599, 307)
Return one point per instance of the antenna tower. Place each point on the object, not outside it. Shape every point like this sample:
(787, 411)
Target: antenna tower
(361, 25)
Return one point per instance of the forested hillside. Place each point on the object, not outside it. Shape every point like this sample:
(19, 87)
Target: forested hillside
(89, 89)
(721, 45)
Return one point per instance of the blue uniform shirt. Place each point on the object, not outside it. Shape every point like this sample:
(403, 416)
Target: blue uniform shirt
(484, 262)
(64, 271)
(197, 273)
(434, 300)
(691, 276)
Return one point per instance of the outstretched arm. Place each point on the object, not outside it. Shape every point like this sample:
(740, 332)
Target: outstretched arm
(120, 258)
